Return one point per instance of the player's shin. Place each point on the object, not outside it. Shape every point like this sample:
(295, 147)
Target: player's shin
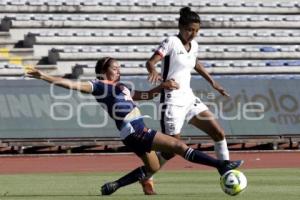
(221, 150)
(197, 156)
(132, 177)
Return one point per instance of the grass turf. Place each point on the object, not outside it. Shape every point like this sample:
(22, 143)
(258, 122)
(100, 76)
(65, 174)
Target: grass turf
(274, 184)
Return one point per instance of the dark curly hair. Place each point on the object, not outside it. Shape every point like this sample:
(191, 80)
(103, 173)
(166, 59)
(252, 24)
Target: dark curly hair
(188, 16)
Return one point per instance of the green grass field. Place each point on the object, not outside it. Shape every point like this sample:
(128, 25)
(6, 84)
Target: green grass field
(274, 184)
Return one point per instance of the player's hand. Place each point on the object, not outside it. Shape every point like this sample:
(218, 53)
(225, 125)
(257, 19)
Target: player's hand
(33, 73)
(154, 77)
(220, 89)
(170, 85)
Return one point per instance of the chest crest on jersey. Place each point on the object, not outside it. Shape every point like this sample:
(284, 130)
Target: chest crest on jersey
(126, 93)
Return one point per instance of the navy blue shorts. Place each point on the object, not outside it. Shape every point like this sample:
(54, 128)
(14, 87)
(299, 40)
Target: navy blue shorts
(141, 140)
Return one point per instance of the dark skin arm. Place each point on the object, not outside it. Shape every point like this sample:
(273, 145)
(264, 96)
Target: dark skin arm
(147, 95)
(202, 71)
(153, 77)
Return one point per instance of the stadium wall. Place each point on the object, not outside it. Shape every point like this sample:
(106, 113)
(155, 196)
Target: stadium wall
(258, 105)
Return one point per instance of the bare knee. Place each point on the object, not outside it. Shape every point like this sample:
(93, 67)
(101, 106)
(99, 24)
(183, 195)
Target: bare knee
(179, 147)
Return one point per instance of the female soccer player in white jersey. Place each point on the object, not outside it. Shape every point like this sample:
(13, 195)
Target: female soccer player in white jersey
(179, 57)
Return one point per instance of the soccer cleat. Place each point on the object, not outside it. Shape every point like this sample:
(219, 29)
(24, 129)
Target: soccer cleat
(148, 187)
(229, 165)
(109, 188)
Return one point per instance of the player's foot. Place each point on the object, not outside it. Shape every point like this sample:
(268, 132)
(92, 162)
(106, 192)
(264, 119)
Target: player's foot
(229, 165)
(109, 188)
(148, 187)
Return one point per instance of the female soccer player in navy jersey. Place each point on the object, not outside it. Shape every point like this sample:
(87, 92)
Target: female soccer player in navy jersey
(179, 57)
(120, 106)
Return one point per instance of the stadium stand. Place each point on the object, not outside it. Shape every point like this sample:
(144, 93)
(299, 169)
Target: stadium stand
(66, 37)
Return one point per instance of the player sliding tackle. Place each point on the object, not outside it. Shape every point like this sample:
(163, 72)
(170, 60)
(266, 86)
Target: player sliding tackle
(134, 133)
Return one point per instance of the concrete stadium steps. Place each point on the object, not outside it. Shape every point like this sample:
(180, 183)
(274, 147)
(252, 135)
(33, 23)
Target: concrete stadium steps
(148, 6)
(143, 52)
(18, 57)
(15, 70)
(20, 52)
(270, 64)
(243, 31)
(143, 21)
(6, 41)
(144, 36)
(87, 72)
(86, 69)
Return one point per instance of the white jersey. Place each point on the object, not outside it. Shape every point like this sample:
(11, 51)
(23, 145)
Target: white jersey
(177, 64)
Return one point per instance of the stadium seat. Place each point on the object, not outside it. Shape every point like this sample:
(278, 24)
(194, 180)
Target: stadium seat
(72, 2)
(90, 3)
(269, 4)
(275, 18)
(288, 48)
(14, 66)
(292, 18)
(233, 4)
(215, 4)
(268, 49)
(144, 3)
(262, 34)
(293, 63)
(18, 2)
(209, 34)
(55, 3)
(257, 18)
(59, 17)
(36, 3)
(162, 2)
(287, 4)
(251, 4)
(275, 63)
(227, 34)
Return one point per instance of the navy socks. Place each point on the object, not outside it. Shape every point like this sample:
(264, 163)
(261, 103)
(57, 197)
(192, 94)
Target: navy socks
(132, 177)
(197, 156)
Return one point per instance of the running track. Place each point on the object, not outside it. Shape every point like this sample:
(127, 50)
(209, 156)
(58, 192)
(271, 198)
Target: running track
(124, 162)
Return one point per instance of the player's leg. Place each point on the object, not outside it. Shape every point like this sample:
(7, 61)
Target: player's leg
(172, 120)
(142, 142)
(205, 121)
(168, 144)
(151, 165)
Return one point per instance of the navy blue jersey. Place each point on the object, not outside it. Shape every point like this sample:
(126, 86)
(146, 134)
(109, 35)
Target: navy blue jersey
(115, 98)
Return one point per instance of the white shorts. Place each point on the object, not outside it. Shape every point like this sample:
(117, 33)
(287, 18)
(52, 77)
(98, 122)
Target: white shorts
(173, 116)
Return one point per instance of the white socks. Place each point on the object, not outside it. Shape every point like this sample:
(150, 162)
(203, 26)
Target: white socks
(221, 150)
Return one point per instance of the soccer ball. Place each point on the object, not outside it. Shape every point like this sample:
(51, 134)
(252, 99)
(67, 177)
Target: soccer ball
(233, 182)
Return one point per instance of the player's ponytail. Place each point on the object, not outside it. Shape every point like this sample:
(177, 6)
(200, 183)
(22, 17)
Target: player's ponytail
(188, 16)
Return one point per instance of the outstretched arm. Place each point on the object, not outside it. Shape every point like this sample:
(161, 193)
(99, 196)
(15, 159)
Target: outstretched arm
(84, 87)
(147, 95)
(202, 71)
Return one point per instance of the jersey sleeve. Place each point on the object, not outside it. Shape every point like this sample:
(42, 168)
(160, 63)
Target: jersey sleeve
(164, 48)
(98, 88)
